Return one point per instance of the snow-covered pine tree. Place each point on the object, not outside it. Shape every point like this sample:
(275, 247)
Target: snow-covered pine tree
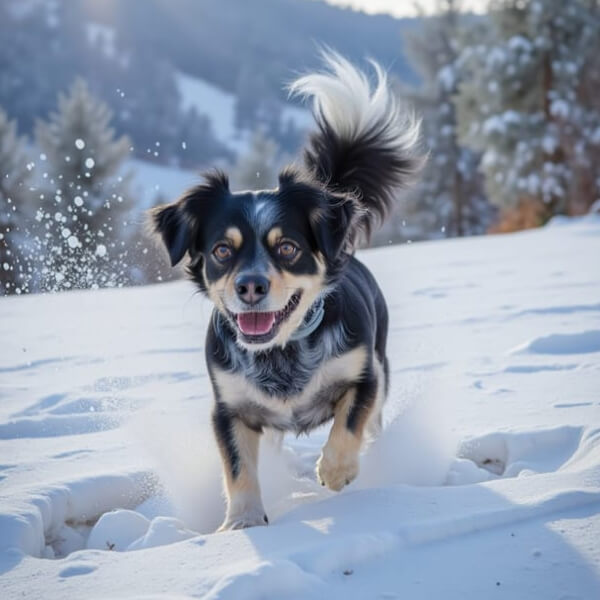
(449, 199)
(257, 168)
(15, 172)
(83, 216)
(522, 102)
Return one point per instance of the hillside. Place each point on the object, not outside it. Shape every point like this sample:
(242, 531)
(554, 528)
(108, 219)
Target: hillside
(200, 72)
(485, 482)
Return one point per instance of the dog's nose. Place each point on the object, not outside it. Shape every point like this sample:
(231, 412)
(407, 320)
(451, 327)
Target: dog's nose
(251, 288)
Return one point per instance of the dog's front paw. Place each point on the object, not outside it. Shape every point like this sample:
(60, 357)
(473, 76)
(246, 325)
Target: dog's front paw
(244, 520)
(337, 468)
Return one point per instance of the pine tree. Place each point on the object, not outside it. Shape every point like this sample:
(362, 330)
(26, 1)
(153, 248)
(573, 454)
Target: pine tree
(15, 173)
(523, 103)
(84, 216)
(449, 199)
(257, 168)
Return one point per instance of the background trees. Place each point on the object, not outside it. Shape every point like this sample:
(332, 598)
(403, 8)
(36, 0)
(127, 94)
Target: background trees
(526, 104)
(449, 197)
(83, 211)
(14, 207)
(509, 102)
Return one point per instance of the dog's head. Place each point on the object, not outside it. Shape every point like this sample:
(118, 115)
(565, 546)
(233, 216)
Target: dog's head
(262, 257)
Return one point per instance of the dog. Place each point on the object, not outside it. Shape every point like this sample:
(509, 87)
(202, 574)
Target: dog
(298, 332)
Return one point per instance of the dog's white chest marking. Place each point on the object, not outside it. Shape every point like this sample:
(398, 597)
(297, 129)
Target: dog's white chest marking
(239, 393)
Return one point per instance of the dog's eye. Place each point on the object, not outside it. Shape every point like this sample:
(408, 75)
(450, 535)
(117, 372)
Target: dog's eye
(222, 252)
(287, 249)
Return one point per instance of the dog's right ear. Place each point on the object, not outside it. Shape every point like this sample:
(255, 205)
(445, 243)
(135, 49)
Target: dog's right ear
(174, 228)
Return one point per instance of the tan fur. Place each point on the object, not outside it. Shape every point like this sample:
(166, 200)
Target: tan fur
(274, 236)
(244, 504)
(338, 464)
(216, 289)
(374, 422)
(283, 285)
(234, 236)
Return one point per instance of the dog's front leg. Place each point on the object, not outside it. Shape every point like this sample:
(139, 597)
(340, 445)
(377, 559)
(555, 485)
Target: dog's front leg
(338, 464)
(239, 450)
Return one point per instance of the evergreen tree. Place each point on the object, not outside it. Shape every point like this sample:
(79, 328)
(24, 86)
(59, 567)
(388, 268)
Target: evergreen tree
(14, 205)
(525, 102)
(84, 217)
(449, 199)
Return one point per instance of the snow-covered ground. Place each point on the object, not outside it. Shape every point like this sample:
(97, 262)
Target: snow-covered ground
(484, 484)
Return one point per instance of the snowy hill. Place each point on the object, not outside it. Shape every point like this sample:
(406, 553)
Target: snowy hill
(484, 484)
(152, 181)
(219, 106)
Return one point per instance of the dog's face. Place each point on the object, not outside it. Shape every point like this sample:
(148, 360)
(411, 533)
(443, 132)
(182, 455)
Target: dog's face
(263, 257)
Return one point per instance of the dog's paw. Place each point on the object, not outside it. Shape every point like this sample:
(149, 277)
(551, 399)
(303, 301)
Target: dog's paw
(244, 520)
(335, 469)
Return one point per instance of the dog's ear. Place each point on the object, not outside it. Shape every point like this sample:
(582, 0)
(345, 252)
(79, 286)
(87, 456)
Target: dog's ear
(170, 222)
(333, 216)
(178, 223)
(333, 225)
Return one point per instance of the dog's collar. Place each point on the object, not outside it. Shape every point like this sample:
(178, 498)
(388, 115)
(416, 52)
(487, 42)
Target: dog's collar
(311, 322)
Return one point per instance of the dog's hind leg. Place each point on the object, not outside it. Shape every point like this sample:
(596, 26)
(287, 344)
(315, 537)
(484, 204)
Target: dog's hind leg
(338, 464)
(375, 421)
(238, 444)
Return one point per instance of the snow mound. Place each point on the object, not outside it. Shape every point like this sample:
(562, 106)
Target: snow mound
(162, 531)
(117, 530)
(569, 343)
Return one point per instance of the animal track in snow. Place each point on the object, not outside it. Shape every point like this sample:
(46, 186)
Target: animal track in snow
(515, 454)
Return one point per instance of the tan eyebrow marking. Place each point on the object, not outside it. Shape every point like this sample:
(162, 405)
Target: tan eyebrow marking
(234, 235)
(274, 235)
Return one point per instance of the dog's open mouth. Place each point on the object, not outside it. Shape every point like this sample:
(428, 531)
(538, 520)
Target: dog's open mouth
(257, 327)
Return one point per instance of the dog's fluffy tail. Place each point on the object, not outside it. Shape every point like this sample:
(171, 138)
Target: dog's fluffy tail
(366, 143)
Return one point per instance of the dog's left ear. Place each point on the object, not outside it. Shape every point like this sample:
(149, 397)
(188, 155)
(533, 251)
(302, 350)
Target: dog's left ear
(332, 215)
(170, 222)
(333, 225)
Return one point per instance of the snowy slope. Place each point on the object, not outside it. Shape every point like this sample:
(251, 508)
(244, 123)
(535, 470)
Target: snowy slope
(152, 181)
(210, 100)
(485, 482)
(220, 107)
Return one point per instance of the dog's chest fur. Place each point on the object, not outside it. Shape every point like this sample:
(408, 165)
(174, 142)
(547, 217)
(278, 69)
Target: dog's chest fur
(295, 388)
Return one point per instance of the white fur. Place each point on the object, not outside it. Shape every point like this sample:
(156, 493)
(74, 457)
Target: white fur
(236, 390)
(343, 97)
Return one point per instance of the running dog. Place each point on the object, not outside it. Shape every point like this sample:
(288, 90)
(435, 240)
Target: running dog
(298, 332)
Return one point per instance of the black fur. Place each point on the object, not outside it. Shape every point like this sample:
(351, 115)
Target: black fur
(363, 167)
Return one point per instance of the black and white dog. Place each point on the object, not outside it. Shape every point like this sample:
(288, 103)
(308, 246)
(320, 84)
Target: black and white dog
(298, 334)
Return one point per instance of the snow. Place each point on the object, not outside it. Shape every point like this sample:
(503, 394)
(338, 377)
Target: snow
(117, 530)
(151, 181)
(209, 100)
(518, 43)
(485, 481)
(447, 78)
(73, 241)
(559, 108)
(219, 106)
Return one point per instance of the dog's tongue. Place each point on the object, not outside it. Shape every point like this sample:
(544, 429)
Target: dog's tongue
(255, 323)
